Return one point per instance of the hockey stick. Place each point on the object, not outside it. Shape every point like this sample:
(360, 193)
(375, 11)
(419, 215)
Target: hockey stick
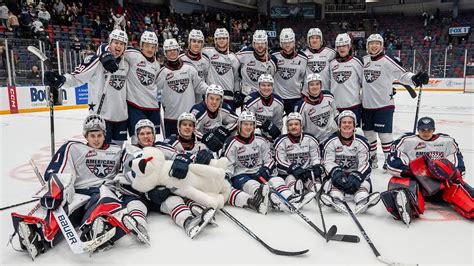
(318, 201)
(417, 109)
(371, 244)
(17, 204)
(331, 234)
(102, 97)
(41, 56)
(272, 250)
(408, 88)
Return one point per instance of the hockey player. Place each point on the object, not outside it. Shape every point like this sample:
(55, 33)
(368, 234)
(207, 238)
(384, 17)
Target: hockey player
(159, 199)
(254, 62)
(186, 142)
(291, 70)
(346, 77)
(195, 56)
(179, 82)
(141, 83)
(215, 119)
(250, 158)
(318, 110)
(298, 158)
(377, 95)
(318, 56)
(346, 160)
(105, 75)
(426, 166)
(224, 69)
(267, 107)
(78, 179)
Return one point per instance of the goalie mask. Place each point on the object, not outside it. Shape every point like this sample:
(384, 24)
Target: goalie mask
(93, 122)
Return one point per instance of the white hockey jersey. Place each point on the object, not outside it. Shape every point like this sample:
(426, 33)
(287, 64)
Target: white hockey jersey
(141, 80)
(318, 62)
(303, 150)
(290, 74)
(353, 157)
(179, 88)
(207, 122)
(201, 63)
(223, 71)
(319, 117)
(271, 109)
(246, 157)
(410, 146)
(379, 74)
(91, 71)
(252, 67)
(176, 142)
(345, 81)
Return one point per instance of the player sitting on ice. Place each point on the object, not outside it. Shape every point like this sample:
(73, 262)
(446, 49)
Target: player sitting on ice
(298, 158)
(78, 179)
(186, 142)
(160, 198)
(346, 160)
(267, 107)
(426, 166)
(318, 109)
(215, 119)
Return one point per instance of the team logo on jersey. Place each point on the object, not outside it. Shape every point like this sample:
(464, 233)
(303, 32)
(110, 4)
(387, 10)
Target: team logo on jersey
(371, 75)
(299, 158)
(169, 76)
(146, 78)
(214, 57)
(289, 147)
(117, 82)
(179, 85)
(240, 150)
(88, 59)
(141, 64)
(280, 62)
(100, 168)
(286, 73)
(339, 149)
(341, 76)
(201, 73)
(347, 161)
(251, 63)
(316, 66)
(420, 145)
(253, 73)
(321, 120)
(91, 153)
(249, 160)
(221, 68)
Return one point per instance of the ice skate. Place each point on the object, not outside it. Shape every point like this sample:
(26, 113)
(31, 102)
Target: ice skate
(260, 201)
(403, 206)
(29, 240)
(194, 225)
(367, 203)
(334, 203)
(138, 231)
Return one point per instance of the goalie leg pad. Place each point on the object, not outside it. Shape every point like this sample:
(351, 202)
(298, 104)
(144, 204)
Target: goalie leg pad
(412, 186)
(461, 197)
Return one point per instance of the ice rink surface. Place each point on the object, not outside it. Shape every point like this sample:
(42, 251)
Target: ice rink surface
(441, 236)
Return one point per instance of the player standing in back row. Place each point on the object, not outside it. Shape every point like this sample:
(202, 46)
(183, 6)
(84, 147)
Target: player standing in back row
(377, 94)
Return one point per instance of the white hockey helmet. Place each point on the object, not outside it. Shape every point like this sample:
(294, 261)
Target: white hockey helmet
(314, 32)
(93, 122)
(215, 89)
(195, 35)
(265, 78)
(374, 38)
(260, 36)
(186, 117)
(313, 77)
(287, 35)
(148, 37)
(118, 35)
(170, 44)
(343, 39)
(246, 116)
(144, 123)
(294, 116)
(221, 33)
(346, 113)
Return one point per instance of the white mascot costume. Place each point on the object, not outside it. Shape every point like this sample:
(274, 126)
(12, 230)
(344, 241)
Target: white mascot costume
(204, 184)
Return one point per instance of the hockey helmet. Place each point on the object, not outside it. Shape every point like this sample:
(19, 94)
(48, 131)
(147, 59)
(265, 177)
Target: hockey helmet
(170, 44)
(221, 33)
(148, 37)
(93, 122)
(186, 117)
(246, 116)
(294, 116)
(144, 123)
(195, 35)
(260, 36)
(346, 113)
(118, 35)
(215, 89)
(265, 78)
(314, 32)
(343, 39)
(287, 35)
(313, 77)
(374, 38)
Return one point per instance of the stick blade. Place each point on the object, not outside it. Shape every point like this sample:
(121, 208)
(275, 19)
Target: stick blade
(40, 55)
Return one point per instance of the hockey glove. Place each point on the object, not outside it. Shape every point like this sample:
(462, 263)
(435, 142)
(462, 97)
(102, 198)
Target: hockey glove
(354, 180)
(238, 99)
(212, 142)
(338, 178)
(53, 79)
(407, 173)
(264, 172)
(108, 62)
(271, 129)
(180, 166)
(158, 195)
(204, 157)
(58, 193)
(296, 170)
(222, 133)
(420, 78)
(317, 171)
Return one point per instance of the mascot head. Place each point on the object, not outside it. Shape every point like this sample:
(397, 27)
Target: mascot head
(147, 169)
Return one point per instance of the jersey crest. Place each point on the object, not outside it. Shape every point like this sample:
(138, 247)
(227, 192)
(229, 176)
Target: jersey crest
(321, 120)
(253, 73)
(146, 78)
(117, 82)
(316, 66)
(249, 160)
(346, 161)
(221, 68)
(179, 85)
(341, 76)
(371, 75)
(286, 73)
(100, 168)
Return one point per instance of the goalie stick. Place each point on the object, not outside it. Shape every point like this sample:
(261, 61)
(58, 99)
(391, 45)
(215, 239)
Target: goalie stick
(272, 250)
(331, 233)
(366, 237)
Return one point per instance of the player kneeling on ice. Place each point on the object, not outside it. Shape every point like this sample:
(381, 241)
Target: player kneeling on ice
(426, 166)
(346, 159)
(78, 180)
(157, 197)
(298, 158)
